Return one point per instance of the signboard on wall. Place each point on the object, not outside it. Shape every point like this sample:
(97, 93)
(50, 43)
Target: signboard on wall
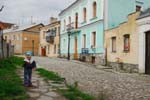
(85, 51)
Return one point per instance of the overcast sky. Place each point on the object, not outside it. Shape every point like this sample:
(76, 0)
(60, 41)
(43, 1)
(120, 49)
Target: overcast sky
(20, 11)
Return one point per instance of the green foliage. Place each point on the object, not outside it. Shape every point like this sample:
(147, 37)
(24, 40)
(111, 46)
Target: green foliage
(50, 75)
(10, 82)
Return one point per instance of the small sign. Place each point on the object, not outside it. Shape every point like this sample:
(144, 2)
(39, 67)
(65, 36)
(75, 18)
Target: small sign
(85, 51)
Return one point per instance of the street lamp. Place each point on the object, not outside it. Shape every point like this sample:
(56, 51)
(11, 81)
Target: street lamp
(69, 32)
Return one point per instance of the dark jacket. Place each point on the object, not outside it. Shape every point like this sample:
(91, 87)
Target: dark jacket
(28, 65)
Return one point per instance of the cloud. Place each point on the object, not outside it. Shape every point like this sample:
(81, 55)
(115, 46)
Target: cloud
(20, 11)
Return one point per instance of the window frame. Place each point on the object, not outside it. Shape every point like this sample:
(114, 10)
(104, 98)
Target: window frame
(114, 47)
(94, 9)
(125, 49)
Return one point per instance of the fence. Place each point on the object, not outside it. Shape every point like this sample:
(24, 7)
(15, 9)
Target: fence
(6, 49)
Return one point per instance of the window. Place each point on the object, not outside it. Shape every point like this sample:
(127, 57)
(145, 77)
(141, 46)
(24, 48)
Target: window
(84, 41)
(70, 21)
(84, 14)
(114, 48)
(138, 8)
(127, 43)
(6, 38)
(94, 39)
(94, 9)
(76, 20)
(64, 25)
(55, 49)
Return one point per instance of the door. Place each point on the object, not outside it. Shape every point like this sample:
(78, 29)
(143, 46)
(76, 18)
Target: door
(147, 62)
(76, 48)
(43, 51)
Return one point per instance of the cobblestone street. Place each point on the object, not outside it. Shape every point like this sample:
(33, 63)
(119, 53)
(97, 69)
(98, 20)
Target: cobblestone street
(112, 85)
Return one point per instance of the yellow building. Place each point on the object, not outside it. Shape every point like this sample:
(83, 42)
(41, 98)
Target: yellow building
(122, 45)
(24, 38)
(49, 39)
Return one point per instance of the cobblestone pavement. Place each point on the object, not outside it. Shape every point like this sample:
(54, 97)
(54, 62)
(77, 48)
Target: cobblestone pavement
(43, 90)
(97, 82)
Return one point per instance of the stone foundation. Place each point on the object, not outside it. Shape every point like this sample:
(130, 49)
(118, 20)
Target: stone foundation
(95, 59)
(130, 68)
(90, 58)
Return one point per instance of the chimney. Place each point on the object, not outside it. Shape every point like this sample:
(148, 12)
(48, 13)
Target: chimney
(52, 20)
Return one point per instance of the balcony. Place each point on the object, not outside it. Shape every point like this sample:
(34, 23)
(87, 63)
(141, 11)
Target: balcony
(72, 27)
(50, 35)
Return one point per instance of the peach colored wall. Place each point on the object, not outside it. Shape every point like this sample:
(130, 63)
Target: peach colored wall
(129, 27)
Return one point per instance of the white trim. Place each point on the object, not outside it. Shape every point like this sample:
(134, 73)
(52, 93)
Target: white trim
(143, 28)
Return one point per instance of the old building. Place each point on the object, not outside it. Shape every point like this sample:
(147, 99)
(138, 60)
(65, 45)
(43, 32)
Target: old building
(144, 41)
(24, 38)
(122, 45)
(83, 20)
(49, 39)
(86, 20)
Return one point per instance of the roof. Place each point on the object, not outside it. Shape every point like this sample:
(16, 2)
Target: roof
(5, 25)
(144, 14)
(68, 7)
(22, 28)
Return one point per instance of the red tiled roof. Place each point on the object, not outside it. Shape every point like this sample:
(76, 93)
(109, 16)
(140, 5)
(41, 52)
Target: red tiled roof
(4, 25)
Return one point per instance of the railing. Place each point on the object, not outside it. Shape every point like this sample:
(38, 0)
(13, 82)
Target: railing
(50, 35)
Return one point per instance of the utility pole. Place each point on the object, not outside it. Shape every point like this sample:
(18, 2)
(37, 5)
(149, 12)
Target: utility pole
(1, 35)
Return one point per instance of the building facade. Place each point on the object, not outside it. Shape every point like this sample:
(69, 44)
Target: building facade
(50, 39)
(88, 19)
(144, 41)
(122, 45)
(24, 38)
(84, 20)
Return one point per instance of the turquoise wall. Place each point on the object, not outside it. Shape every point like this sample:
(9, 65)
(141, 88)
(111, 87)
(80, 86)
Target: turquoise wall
(91, 25)
(119, 10)
(98, 27)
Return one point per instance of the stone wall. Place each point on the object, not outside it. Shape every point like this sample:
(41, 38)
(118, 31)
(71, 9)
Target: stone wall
(130, 68)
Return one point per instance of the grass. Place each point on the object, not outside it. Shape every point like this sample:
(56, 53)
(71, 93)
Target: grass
(72, 93)
(49, 75)
(10, 83)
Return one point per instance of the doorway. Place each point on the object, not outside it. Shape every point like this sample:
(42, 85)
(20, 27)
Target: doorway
(147, 60)
(43, 51)
(76, 48)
